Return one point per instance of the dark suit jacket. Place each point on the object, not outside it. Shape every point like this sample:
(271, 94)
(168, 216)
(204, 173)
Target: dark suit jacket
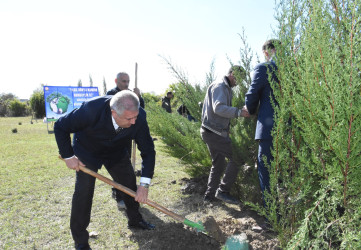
(260, 94)
(116, 90)
(95, 140)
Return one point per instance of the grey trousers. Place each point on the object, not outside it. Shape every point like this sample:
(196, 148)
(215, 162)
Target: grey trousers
(220, 148)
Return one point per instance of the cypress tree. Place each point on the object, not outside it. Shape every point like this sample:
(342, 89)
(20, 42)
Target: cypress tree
(316, 173)
(183, 137)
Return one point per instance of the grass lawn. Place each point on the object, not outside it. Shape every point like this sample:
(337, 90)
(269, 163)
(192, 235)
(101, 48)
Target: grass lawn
(36, 191)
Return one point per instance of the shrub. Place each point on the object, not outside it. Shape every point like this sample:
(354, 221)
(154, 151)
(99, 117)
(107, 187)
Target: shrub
(17, 108)
(316, 174)
(37, 103)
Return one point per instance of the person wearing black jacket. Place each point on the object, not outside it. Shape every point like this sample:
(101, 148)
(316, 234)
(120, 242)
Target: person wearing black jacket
(166, 102)
(122, 83)
(102, 128)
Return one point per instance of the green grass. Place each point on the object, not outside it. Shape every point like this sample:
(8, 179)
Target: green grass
(36, 190)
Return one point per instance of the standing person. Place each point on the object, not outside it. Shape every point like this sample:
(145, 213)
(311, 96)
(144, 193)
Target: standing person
(122, 83)
(217, 112)
(260, 94)
(102, 128)
(166, 102)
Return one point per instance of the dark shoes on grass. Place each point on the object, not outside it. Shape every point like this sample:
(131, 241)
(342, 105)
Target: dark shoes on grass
(226, 197)
(141, 225)
(223, 196)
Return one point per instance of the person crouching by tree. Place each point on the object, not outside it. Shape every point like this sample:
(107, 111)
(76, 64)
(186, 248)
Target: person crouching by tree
(183, 111)
(101, 126)
(217, 112)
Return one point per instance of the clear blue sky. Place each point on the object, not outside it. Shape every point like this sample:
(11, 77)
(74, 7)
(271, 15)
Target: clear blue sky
(59, 42)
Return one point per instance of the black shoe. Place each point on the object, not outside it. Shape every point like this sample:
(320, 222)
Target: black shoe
(141, 225)
(226, 197)
(82, 247)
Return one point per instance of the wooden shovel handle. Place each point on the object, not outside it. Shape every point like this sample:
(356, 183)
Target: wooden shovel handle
(131, 193)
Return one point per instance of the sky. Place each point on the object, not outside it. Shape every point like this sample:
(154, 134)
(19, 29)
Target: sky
(59, 42)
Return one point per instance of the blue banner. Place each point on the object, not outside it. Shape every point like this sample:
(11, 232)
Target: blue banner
(61, 100)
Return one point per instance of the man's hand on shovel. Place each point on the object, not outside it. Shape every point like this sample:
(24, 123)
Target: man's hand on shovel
(74, 163)
(142, 194)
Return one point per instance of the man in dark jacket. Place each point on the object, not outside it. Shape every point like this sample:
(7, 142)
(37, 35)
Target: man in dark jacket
(122, 83)
(166, 102)
(260, 94)
(102, 128)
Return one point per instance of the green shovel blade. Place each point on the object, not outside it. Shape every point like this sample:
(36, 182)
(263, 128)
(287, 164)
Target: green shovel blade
(198, 226)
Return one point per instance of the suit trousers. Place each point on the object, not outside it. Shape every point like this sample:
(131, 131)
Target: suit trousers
(264, 150)
(122, 172)
(219, 148)
(118, 195)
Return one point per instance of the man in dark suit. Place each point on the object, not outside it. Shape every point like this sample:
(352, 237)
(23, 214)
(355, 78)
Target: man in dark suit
(122, 83)
(102, 128)
(260, 95)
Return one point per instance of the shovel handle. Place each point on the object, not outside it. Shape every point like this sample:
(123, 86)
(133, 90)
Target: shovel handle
(130, 192)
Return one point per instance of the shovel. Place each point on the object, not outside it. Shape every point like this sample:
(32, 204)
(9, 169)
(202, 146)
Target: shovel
(130, 192)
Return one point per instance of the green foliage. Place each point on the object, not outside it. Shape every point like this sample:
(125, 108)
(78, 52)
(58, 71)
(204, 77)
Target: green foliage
(148, 98)
(37, 103)
(5, 99)
(17, 108)
(316, 174)
(183, 137)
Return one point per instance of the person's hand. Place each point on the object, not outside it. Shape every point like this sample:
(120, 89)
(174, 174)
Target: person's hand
(142, 194)
(136, 91)
(244, 112)
(74, 163)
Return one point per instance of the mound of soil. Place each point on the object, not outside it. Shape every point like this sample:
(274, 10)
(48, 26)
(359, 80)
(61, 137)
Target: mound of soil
(235, 221)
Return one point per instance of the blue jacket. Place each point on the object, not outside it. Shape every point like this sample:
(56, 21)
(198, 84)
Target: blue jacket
(260, 94)
(95, 140)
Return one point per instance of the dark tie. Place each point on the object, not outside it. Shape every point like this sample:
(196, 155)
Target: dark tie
(118, 130)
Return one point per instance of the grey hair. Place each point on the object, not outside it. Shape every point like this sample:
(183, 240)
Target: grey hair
(124, 100)
(121, 74)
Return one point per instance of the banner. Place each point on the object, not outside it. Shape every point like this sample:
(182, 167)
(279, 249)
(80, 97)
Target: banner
(61, 100)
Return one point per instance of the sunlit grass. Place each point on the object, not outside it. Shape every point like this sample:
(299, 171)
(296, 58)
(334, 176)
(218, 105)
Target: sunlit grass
(36, 191)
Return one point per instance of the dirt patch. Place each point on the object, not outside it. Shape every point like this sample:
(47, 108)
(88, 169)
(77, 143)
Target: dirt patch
(227, 221)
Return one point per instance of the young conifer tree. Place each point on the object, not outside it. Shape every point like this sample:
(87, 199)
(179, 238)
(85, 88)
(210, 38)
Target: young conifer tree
(316, 173)
(183, 137)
